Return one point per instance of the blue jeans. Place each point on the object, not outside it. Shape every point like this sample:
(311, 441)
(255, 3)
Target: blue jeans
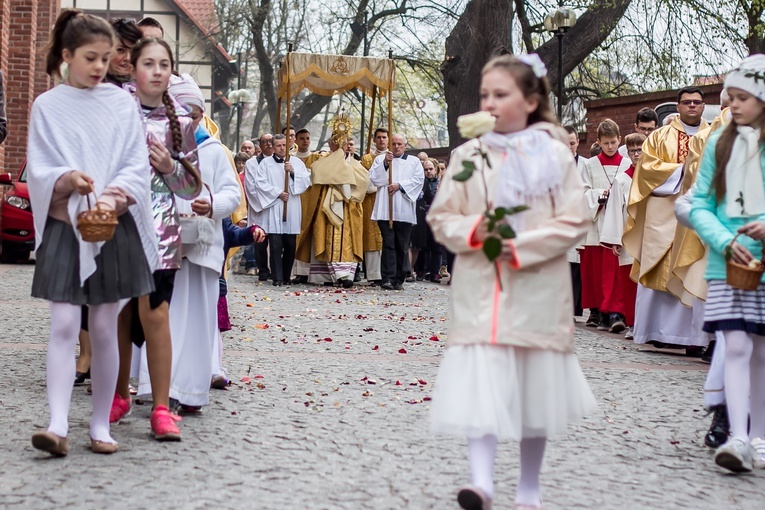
(249, 257)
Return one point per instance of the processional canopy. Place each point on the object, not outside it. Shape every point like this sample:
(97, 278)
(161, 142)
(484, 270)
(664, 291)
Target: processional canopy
(328, 75)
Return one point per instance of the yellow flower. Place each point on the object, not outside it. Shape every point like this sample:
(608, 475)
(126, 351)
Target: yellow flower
(475, 124)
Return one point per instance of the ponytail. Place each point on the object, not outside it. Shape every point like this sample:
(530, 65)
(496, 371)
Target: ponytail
(73, 29)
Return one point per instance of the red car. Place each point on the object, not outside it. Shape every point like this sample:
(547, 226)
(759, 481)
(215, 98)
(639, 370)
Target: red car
(17, 230)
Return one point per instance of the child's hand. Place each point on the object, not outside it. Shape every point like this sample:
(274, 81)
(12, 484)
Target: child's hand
(159, 157)
(755, 230)
(616, 249)
(201, 206)
(481, 231)
(242, 223)
(740, 254)
(508, 252)
(258, 235)
(81, 182)
(284, 196)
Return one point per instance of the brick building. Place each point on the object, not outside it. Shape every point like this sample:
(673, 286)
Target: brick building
(25, 27)
(622, 110)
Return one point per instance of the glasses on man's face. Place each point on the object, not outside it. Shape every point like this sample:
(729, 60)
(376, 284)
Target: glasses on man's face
(691, 102)
(646, 130)
(634, 152)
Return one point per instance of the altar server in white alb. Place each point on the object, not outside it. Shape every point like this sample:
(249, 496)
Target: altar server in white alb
(193, 310)
(405, 184)
(264, 186)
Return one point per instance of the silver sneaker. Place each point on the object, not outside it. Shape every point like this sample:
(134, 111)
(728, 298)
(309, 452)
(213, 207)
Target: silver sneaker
(735, 455)
(758, 455)
(630, 334)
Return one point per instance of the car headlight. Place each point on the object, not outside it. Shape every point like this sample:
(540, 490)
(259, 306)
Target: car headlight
(20, 203)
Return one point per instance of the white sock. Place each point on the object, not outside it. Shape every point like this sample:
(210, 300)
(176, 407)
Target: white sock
(65, 321)
(102, 327)
(757, 379)
(738, 355)
(481, 454)
(529, 491)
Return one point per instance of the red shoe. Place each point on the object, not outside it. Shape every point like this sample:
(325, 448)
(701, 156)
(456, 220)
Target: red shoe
(163, 425)
(121, 407)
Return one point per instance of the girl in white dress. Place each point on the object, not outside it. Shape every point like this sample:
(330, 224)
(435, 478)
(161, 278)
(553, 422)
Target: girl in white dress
(510, 370)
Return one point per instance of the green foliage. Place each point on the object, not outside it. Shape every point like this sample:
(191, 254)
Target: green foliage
(492, 247)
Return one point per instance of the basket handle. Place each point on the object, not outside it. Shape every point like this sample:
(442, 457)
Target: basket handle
(728, 248)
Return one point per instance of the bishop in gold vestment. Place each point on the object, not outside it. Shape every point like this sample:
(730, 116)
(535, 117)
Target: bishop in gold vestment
(651, 229)
(331, 238)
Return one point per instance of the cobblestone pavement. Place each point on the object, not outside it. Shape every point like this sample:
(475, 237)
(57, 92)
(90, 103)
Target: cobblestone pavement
(336, 417)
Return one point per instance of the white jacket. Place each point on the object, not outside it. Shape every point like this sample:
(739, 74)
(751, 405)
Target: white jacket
(533, 307)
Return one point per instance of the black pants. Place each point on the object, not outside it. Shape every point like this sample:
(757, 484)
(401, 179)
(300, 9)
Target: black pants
(261, 259)
(282, 255)
(576, 284)
(395, 252)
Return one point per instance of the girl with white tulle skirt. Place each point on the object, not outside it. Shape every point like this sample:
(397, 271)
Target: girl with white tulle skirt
(510, 370)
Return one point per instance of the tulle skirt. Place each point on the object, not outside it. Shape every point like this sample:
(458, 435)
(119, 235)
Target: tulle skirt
(509, 392)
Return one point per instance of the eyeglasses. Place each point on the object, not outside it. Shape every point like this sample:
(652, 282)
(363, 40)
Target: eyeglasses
(634, 152)
(694, 102)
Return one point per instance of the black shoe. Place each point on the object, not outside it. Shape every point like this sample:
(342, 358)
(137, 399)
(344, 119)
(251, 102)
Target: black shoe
(328, 284)
(719, 429)
(434, 278)
(603, 322)
(376, 283)
(278, 283)
(79, 377)
(593, 319)
(386, 285)
(709, 352)
(300, 280)
(398, 286)
(694, 351)
(616, 323)
(357, 275)
(347, 284)
(264, 278)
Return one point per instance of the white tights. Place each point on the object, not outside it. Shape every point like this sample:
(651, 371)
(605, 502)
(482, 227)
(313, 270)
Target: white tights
(64, 329)
(745, 380)
(481, 454)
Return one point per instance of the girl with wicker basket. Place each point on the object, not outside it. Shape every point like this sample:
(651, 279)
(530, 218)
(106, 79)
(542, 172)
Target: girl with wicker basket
(728, 212)
(78, 148)
(510, 370)
(173, 172)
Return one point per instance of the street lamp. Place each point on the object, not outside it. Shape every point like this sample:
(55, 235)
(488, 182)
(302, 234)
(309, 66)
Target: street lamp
(238, 98)
(558, 23)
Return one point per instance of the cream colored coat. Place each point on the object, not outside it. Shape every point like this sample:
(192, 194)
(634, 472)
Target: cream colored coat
(533, 307)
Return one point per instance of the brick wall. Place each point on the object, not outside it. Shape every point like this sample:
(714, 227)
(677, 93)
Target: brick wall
(5, 17)
(24, 29)
(622, 110)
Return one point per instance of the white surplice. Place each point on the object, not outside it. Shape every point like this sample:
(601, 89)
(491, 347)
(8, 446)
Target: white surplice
(264, 182)
(408, 173)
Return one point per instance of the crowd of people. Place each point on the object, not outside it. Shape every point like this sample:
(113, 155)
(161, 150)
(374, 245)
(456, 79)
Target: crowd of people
(647, 230)
(367, 247)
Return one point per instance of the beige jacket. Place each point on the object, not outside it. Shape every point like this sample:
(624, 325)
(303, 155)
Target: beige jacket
(533, 307)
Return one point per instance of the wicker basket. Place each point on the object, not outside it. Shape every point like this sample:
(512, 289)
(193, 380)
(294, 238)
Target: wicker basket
(740, 276)
(96, 225)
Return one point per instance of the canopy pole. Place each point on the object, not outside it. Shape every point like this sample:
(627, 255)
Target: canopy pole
(287, 131)
(372, 119)
(390, 137)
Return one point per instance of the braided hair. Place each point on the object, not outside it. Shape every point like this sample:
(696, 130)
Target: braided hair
(167, 100)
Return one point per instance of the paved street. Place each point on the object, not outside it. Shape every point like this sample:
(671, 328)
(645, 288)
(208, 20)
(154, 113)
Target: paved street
(335, 416)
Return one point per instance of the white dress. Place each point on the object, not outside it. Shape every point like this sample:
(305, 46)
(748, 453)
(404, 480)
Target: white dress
(500, 389)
